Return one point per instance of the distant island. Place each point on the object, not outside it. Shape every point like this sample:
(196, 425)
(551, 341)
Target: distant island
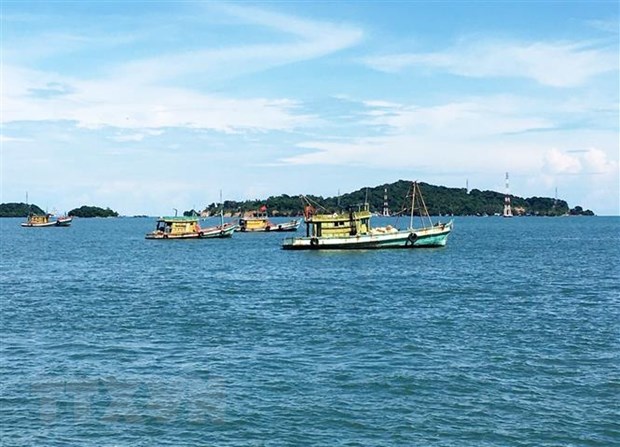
(440, 200)
(92, 211)
(18, 209)
(23, 209)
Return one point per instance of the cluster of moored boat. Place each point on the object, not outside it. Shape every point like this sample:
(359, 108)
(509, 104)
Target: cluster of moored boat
(341, 231)
(189, 227)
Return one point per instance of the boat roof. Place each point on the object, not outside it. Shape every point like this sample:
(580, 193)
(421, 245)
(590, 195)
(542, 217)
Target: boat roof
(178, 219)
(340, 217)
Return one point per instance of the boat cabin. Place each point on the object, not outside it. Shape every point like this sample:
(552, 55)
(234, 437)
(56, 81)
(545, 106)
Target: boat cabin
(254, 222)
(177, 225)
(37, 219)
(351, 223)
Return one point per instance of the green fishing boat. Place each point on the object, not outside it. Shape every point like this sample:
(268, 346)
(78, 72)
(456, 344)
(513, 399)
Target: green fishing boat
(353, 230)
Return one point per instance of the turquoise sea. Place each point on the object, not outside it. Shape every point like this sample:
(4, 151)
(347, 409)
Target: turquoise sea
(508, 336)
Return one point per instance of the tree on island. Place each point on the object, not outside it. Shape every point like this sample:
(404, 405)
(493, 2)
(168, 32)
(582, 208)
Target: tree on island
(92, 211)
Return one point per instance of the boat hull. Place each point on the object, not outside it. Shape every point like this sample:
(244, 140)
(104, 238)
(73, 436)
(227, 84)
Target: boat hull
(218, 232)
(41, 225)
(269, 227)
(166, 236)
(63, 221)
(60, 222)
(436, 236)
(205, 233)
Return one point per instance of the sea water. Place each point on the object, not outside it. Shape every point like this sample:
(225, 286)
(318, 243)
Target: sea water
(509, 335)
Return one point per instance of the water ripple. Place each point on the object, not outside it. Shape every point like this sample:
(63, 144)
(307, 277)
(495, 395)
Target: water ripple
(507, 339)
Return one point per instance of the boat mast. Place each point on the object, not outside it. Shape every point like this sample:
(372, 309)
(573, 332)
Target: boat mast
(222, 210)
(428, 216)
(413, 186)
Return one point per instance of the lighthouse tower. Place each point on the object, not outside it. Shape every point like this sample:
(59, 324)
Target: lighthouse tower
(386, 210)
(507, 208)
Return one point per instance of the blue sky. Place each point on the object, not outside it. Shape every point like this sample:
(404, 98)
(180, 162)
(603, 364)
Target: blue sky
(149, 106)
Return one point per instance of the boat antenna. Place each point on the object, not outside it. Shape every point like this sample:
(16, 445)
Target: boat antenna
(29, 206)
(366, 196)
(175, 212)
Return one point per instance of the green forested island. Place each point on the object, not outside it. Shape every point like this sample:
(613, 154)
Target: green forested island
(23, 209)
(18, 209)
(440, 200)
(92, 211)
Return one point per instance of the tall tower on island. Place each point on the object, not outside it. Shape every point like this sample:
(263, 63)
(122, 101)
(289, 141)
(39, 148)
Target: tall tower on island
(507, 208)
(386, 210)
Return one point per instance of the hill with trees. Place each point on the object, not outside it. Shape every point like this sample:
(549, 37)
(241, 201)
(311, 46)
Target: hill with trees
(18, 210)
(92, 211)
(440, 200)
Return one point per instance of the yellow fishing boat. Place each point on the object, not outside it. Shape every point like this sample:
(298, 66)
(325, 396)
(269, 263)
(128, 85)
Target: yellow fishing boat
(259, 221)
(188, 228)
(46, 220)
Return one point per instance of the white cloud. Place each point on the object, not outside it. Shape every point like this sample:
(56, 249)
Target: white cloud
(7, 139)
(587, 177)
(476, 137)
(556, 64)
(382, 104)
(596, 161)
(558, 162)
(139, 95)
(482, 118)
(420, 152)
(607, 26)
(307, 39)
(94, 104)
(588, 161)
(128, 137)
